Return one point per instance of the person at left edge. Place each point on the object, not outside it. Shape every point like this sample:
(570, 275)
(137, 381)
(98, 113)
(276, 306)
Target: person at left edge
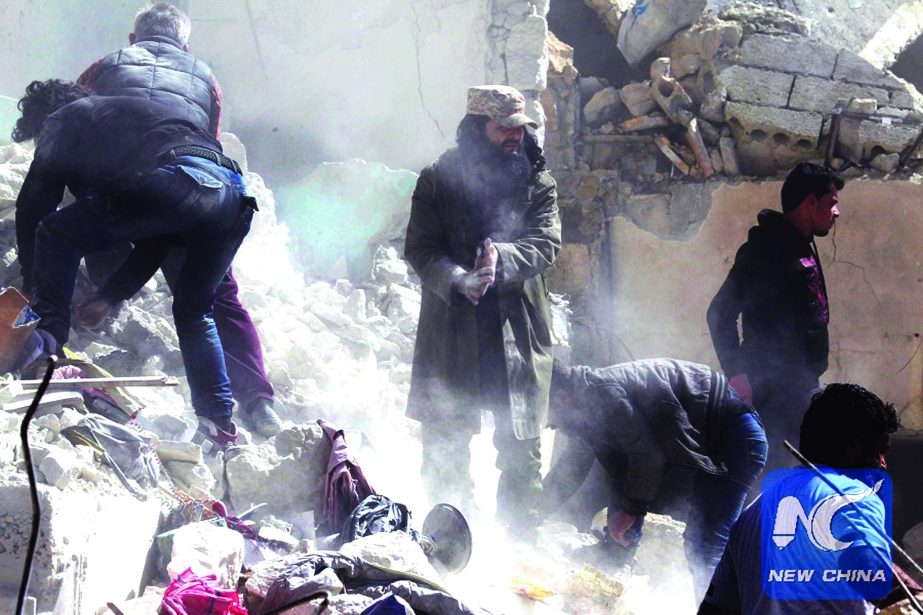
(138, 172)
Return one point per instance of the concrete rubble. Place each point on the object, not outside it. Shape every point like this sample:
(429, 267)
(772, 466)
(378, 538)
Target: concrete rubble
(335, 349)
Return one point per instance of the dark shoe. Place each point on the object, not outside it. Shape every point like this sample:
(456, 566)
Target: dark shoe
(213, 438)
(262, 419)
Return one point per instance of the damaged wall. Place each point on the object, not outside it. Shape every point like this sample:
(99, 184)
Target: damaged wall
(380, 80)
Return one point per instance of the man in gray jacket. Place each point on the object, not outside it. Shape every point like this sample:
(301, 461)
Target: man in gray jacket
(642, 418)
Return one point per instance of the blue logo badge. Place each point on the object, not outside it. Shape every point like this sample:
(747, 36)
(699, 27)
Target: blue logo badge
(826, 538)
(641, 7)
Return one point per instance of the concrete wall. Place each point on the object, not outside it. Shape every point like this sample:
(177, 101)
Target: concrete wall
(306, 82)
(874, 275)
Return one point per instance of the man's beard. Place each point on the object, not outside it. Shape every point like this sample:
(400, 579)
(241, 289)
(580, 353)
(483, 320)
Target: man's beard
(499, 171)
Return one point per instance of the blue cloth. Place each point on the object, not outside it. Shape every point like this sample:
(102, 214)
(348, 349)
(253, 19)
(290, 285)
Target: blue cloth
(718, 500)
(739, 582)
(205, 207)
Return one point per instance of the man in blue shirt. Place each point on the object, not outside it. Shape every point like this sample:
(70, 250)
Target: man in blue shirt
(846, 427)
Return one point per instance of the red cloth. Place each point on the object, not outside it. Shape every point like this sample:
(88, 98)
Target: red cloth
(190, 594)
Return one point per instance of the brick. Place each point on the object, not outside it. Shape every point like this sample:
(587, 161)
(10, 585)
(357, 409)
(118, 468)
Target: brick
(867, 138)
(799, 125)
(902, 99)
(852, 67)
(753, 85)
(822, 95)
(795, 54)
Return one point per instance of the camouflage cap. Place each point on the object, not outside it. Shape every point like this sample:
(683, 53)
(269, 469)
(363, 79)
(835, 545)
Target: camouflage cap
(503, 104)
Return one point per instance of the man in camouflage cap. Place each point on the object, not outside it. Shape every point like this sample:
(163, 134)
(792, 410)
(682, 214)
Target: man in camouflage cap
(483, 229)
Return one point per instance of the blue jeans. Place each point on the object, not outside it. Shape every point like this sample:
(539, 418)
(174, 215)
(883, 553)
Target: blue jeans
(718, 500)
(206, 208)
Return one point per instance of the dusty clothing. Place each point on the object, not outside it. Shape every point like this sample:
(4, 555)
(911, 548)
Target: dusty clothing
(643, 418)
(158, 69)
(442, 238)
(639, 417)
(78, 160)
(777, 285)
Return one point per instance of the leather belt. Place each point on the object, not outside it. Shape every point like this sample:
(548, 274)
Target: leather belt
(207, 154)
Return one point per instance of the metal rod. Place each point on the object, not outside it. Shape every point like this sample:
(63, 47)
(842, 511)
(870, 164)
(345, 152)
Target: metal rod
(104, 383)
(33, 489)
(804, 460)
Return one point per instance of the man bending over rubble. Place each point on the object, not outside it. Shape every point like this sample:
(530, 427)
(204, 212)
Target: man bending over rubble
(139, 171)
(483, 229)
(642, 418)
(158, 66)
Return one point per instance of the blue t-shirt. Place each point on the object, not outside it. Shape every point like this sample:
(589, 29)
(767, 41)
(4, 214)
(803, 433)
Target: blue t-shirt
(800, 563)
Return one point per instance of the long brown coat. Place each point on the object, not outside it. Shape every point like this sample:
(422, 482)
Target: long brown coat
(441, 246)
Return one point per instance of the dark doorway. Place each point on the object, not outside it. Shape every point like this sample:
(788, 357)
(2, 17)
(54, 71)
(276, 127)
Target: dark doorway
(909, 64)
(595, 50)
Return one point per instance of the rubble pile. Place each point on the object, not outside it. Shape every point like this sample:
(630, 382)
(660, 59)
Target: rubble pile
(337, 350)
(744, 91)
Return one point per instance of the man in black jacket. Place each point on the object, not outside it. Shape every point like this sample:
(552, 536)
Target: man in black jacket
(640, 419)
(139, 172)
(777, 285)
(158, 66)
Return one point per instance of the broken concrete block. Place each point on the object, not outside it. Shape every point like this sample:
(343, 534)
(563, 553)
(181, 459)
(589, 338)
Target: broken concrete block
(648, 26)
(672, 97)
(763, 122)
(754, 85)
(862, 106)
(610, 12)
(902, 99)
(687, 64)
(824, 95)
(886, 163)
(852, 67)
(710, 132)
(207, 549)
(196, 479)
(266, 473)
(796, 54)
(712, 107)
(175, 450)
(60, 467)
(393, 550)
(637, 97)
(602, 107)
(729, 156)
(861, 139)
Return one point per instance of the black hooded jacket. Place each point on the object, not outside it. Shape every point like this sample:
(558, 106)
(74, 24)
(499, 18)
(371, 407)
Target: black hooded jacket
(777, 285)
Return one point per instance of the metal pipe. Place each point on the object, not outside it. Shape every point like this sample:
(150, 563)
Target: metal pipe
(33, 489)
(804, 460)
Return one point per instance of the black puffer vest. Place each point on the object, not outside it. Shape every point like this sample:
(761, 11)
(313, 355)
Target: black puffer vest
(159, 69)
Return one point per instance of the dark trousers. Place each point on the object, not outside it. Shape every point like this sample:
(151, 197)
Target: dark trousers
(200, 203)
(243, 354)
(446, 473)
(446, 457)
(782, 399)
